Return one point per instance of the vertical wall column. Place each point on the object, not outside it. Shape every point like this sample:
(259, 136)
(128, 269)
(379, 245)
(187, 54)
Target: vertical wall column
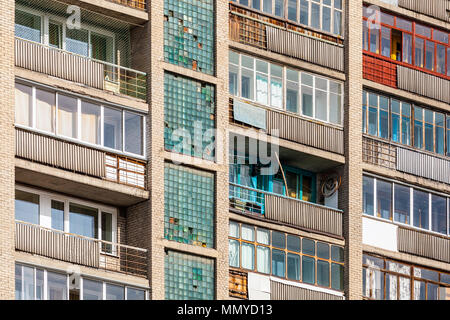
(7, 147)
(222, 149)
(352, 178)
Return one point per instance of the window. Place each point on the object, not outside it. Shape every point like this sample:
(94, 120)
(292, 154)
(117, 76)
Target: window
(429, 51)
(100, 290)
(391, 280)
(410, 206)
(55, 35)
(27, 207)
(409, 125)
(77, 41)
(28, 26)
(85, 219)
(30, 283)
(286, 256)
(61, 114)
(282, 88)
(188, 277)
(135, 294)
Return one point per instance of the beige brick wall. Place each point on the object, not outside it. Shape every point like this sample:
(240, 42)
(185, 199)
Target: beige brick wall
(7, 147)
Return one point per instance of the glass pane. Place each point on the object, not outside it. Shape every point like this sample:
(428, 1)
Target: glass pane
(420, 209)
(90, 122)
(406, 123)
(422, 30)
(233, 79)
(135, 294)
(307, 101)
(335, 108)
(134, 133)
(402, 204)
(429, 55)
(419, 49)
(83, 220)
(18, 282)
(56, 286)
(307, 188)
(386, 41)
(337, 22)
(45, 110)
(315, 15)
(114, 292)
(391, 287)
(404, 24)
(323, 273)
(92, 290)
(326, 19)
(276, 92)
(419, 290)
(337, 276)
(77, 41)
(374, 38)
(337, 254)
(67, 116)
(323, 250)
(279, 8)
(102, 48)
(107, 230)
(439, 132)
(55, 35)
(432, 291)
(278, 240)
(321, 105)
(395, 120)
(293, 243)
(23, 105)
(256, 4)
(405, 288)
(407, 48)
(263, 236)
(384, 199)
(292, 97)
(262, 89)
(267, 6)
(440, 36)
(248, 233)
(234, 229)
(440, 59)
(39, 284)
(57, 215)
(384, 118)
(233, 248)
(263, 259)
(368, 196)
(439, 214)
(28, 283)
(292, 10)
(291, 180)
(248, 256)
(304, 12)
(293, 266)
(247, 86)
(27, 26)
(308, 247)
(278, 263)
(112, 128)
(27, 207)
(308, 270)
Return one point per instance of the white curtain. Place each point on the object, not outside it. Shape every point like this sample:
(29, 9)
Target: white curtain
(23, 105)
(234, 230)
(234, 253)
(262, 89)
(45, 106)
(263, 259)
(248, 233)
(67, 123)
(248, 256)
(90, 127)
(262, 236)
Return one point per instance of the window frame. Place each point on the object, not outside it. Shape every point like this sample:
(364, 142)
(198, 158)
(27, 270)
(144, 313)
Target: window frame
(286, 252)
(283, 108)
(106, 282)
(78, 139)
(45, 213)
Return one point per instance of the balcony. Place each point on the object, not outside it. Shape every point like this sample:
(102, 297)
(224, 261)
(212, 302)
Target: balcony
(287, 125)
(405, 159)
(268, 32)
(90, 72)
(291, 211)
(137, 4)
(439, 9)
(81, 250)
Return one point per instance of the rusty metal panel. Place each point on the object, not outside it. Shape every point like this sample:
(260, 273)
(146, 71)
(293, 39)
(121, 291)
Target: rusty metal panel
(305, 48)
(54, 62)
(303, 214)
(306, 132)
(423, 165)
(281, 291)
(423, 244)
(48, 243)
(55, 152)
(435, 8)
(424, 84)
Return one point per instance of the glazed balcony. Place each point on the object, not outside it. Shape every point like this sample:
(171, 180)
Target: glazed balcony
(80, 250)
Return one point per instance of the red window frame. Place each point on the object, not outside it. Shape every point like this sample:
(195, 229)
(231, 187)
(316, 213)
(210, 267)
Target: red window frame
(413, 34)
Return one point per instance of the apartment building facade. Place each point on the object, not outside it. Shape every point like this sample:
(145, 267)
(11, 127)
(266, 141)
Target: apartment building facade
(214, 149)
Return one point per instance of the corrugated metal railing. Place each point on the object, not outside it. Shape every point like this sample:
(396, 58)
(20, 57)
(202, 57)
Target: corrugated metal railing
(281, 291)
(307, 132)
(304, 214)
(423, 244)
(305, 48)
(59, 153)
(404, 159)
(80, 250)
(137, 4)
(435, 8)
(69, 66)
(70, 156)
(424, 84)
(291, 211)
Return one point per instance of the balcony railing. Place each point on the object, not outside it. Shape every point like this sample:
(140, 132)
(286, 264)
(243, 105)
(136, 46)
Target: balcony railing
(287, 210)
(137, 4)
(69, 66)
(78, 158)
(405, 159)
(81, 250)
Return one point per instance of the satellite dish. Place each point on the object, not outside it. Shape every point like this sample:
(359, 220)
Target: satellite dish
(330, 185)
